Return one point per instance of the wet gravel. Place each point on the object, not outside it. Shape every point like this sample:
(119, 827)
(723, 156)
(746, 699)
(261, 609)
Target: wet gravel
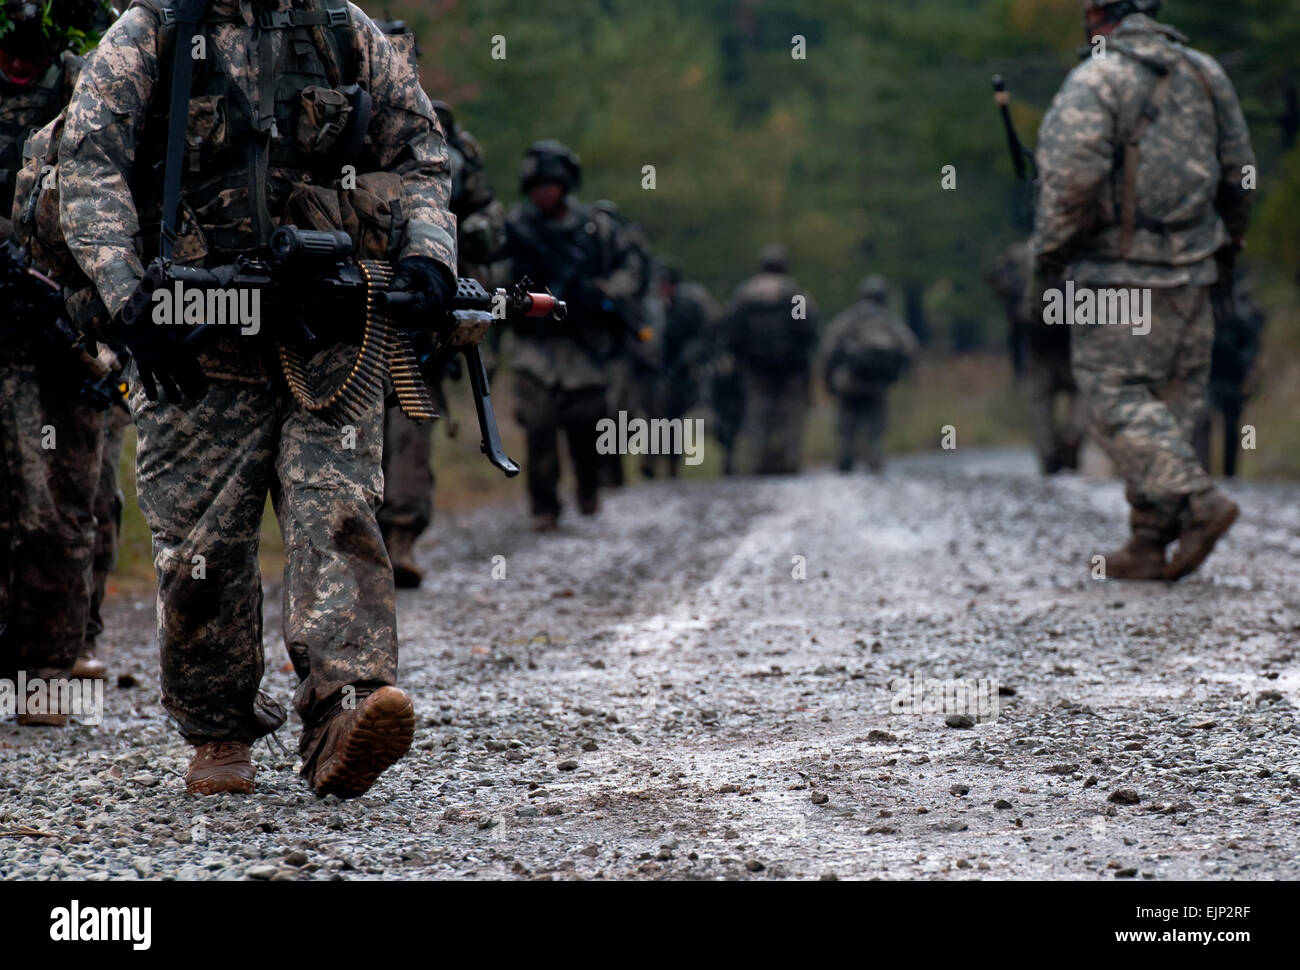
(697, 684)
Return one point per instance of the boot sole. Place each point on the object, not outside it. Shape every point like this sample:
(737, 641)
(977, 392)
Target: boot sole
(381, 737)
(220, 786)
(42, 720)
(1185, 565)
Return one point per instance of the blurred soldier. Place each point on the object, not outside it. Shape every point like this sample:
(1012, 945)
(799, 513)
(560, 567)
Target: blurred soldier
(634, 369)
(407, 510)
(51, 442)
(771, 331)
(562, 368)
(1141, 159)
(222, 434)
(1045, 353)
(690, 315)
(1238, 324)
(867, 349)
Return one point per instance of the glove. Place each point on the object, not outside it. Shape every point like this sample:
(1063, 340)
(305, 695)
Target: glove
(423, 277)
(163, 355)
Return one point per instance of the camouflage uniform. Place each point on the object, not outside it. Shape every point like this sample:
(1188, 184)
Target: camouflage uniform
(205, 466)
(773, 341)
(690, 315)
(1187, 206)
(1046, 358)
(867, 348)
(407, 510)
(47, 524)
(562, 368)
(109, 502)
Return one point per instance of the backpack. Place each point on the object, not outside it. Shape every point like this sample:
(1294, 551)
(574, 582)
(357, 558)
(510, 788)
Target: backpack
(36, 189)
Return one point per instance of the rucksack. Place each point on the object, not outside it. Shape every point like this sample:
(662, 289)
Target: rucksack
(37, 187)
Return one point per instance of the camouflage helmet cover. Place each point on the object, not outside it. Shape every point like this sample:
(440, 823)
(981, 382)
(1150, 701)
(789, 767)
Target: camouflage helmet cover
(774, 258)
(1137, 6)
(874, 287)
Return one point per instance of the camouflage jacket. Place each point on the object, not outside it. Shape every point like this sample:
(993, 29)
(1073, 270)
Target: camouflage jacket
(1190, 200)
(103, 197)
(857, 337)
(771, 325)
(24, 110)
(586, 259)
(480, 217)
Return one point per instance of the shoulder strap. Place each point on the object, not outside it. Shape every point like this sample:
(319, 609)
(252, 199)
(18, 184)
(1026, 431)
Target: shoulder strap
(189, 15)
(1132, 155)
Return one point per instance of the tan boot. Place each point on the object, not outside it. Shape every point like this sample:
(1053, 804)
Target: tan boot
(406, 574)
(546, 522)
(355, 747)
(1209, 516)
(1138, 558)
(42, 720)
(220, 766)
(89, 668)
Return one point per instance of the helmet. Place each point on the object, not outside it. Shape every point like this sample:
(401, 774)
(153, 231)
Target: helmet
(774, 258)
(72, 25)
(550, 161)
(1113, 11)
(874, 288)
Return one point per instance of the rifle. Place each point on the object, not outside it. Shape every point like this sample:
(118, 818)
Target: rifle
(35, 316)
(1022, 159)
(307, 273)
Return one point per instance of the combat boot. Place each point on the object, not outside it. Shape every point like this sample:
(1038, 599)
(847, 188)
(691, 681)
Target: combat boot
(546, 522)
(1209, 516)
(42, 720)
(406, 574)
(219, 767)
(89, 668)
(588, 504)
(345, 754)
(1139, 558)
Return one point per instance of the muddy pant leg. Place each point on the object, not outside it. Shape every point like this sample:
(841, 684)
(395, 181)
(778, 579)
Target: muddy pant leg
(1040, 391)
(846, 424)
(108, 520)
(1144, 391)
(874, 418)
(537, 410)
(53, 445)
(203, 470)
(581, 412)
(408, 476)
(339, 601)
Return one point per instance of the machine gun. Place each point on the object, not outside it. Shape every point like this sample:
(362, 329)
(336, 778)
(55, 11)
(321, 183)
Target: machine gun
(35, 317)
(306, 276)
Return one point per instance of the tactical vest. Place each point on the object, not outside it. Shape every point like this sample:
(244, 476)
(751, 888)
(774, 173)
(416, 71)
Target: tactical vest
(22, 111)
(245, 159)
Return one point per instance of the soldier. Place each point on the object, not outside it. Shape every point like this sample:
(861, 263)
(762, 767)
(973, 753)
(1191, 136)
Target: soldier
(51, 443)
(1141, 159)
(1238, 323)
(867, 348)
(562, 369)
(635, 365)
(1045, 353)
(269, 138)
(407, 510)
(771, 330)
(690, 316)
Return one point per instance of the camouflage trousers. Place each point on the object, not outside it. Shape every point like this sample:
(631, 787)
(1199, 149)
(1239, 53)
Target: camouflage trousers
(1144, 394)
(109, 502)
(726, 415)
(1056, 440)
(51, 446)
(860, 431)
(204, 469)
(776, 409)
(408, 476)
(545, 412)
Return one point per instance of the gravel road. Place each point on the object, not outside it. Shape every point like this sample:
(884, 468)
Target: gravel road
(703, 683)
